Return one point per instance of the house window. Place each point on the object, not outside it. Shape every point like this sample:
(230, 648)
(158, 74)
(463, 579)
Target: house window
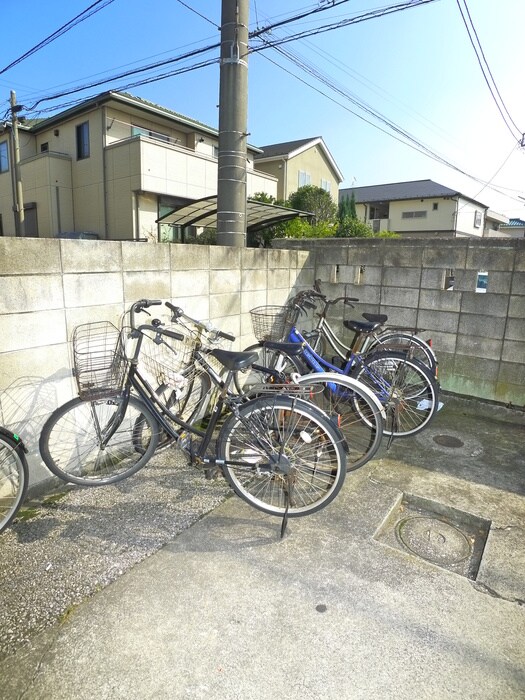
(326, 185)
(215, 151)
(44, 147)
(414, 214)
(477, 219)
(83, 140)
(435, 206)
(4, 157)
(304, 178)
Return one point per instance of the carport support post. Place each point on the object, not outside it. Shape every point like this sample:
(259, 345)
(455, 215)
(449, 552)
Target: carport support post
(233, 115)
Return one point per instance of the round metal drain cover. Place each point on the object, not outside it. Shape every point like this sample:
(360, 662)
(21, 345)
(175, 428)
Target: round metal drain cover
(447, 441)
(434, 540)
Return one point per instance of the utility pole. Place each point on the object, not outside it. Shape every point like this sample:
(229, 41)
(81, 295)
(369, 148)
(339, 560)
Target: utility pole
(233, 120)
(19, 195)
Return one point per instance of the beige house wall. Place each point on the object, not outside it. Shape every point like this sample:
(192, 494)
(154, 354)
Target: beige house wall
(450, 216)
(314, 162)
(104, 192)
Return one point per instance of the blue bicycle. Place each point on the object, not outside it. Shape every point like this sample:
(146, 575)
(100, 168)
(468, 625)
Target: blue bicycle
(407, 390)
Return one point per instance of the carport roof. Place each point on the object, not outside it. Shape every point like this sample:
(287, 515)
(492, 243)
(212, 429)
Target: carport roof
(203, 212)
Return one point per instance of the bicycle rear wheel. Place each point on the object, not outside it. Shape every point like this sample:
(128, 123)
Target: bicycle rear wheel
(354, 408)
(247, 381)
(282, 455)
(92, 443)
(13, 480)
(406, 388)
(406, 342)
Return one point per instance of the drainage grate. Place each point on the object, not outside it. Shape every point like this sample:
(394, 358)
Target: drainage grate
(444, 536)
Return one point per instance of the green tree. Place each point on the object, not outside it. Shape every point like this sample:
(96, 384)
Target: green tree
(347, 208)
(316, 201)
(350, 227)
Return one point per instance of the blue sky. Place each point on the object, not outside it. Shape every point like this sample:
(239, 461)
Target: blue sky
(415, 68)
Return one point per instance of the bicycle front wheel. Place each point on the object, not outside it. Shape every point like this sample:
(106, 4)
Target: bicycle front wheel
(282, 455)
(406, 389)
(13, 480)
(354, 408)
(93, 443)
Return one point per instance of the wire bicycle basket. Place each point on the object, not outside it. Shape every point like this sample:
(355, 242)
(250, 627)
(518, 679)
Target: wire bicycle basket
(273, 322)
(99, 361)
(164, 362)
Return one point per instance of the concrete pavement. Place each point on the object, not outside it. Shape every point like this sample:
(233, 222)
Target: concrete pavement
(372, 598)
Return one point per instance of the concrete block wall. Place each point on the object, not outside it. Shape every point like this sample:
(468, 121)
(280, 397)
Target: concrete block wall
(479, 337)
(47, 287)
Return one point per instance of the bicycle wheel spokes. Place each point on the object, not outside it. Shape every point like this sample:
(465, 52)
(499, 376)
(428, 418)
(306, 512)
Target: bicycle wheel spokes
(281, 452)
(353, 410)
(98, 442)
(13, 483)
(411, 400)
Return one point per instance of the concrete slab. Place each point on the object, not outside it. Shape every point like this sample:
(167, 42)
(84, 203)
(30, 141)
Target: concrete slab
(228, 610)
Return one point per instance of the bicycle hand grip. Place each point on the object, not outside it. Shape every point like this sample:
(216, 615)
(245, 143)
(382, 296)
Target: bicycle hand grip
(176, 310)
(226, 336)
(171, 334)
(146, 303)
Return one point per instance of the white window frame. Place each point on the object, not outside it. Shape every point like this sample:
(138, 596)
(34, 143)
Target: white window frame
(303, 178)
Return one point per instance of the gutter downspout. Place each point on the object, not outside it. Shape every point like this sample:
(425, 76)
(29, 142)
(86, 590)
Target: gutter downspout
(104, 172)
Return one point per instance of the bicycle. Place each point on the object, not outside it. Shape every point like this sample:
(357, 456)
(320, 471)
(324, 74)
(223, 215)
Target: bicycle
(405, 387)
(369, 336)
(279, 453)
(14, 476)
(328, 392)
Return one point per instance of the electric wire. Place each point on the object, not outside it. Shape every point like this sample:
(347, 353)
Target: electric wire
(85, 14)
(482, 61)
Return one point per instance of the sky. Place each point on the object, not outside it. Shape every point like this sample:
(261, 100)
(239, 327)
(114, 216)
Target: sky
(366, 87)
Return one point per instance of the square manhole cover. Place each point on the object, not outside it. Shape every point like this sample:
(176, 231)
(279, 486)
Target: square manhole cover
(444, 536)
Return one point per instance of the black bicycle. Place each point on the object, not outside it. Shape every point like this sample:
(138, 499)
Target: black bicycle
(278, 452)
(13, 476)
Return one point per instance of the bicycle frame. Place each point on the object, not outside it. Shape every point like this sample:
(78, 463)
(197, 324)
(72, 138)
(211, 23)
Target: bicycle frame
(319, 364)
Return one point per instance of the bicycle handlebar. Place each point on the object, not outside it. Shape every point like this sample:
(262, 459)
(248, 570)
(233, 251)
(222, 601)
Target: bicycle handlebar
(140, 306)
(179, 313)
(161, 331)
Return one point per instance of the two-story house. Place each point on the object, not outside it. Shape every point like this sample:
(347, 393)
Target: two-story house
(298, 163)
(418, 208)
(112, 165)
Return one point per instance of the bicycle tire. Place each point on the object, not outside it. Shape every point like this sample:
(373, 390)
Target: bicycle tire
(70, 448)
(301, 440)
(406, 388)
(403, 342)
(14, 478)
(246, 381)
(357, 412)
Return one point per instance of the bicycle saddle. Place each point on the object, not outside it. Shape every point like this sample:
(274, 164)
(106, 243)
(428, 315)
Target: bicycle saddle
(375, 318)
(361, 326)
(235, 360)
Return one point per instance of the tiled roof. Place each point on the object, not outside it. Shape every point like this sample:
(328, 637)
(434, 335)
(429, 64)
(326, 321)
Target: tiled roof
(416, 189)
(517, 223)
(283, 149)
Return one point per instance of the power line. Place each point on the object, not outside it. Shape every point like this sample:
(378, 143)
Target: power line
(396, 132)
(85, 14)
(485, 69)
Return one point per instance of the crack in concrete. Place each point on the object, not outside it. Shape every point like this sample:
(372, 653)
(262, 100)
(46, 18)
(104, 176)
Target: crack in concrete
(483, 588)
